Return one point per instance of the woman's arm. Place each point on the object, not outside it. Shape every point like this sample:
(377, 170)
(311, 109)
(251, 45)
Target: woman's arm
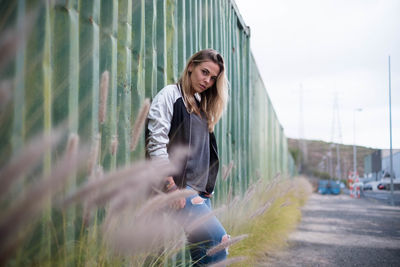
(159, 123)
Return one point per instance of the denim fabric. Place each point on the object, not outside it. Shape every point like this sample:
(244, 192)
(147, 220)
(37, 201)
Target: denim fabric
(207, 235)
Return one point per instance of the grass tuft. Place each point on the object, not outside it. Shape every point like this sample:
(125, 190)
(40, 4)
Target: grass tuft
(122, 218)
(268, 216)
(105, 77)
(139, 123)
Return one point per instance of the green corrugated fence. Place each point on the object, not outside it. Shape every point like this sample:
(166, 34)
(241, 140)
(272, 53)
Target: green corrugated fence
(63, 47)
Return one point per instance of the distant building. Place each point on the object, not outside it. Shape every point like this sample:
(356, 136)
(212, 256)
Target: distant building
(396, 164)
(373, 165)
(377, 164)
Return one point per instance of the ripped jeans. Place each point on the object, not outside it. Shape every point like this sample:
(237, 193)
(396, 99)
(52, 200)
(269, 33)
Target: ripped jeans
(207, 233)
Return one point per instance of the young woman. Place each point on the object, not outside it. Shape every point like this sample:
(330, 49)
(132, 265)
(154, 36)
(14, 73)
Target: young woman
(186, 114)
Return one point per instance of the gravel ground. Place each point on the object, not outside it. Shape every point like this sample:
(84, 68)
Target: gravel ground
(341, 231)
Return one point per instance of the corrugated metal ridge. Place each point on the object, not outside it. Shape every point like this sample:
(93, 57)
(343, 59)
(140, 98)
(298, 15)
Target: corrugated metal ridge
(245, 28)
(266, 91)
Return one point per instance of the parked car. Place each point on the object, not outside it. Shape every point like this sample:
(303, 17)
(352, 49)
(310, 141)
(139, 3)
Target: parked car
(382, 186)
(373, 186)
(386, 186)
(367, 187)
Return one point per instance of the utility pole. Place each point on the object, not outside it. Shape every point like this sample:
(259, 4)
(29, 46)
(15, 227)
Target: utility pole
(390, 122)
(336, 135)
(354, 143)
(338, 168)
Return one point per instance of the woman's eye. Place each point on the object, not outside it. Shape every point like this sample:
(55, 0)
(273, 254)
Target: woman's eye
(204, 72)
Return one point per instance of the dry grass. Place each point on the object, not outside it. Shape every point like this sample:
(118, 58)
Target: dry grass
(27, 206)
(122, 216)
(267, 213)
(139, 123)
(26, 160)
(136, 225)
(226, 244)
(105, 78)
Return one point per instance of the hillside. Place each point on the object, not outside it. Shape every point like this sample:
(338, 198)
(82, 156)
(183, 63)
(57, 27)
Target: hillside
(317, 159)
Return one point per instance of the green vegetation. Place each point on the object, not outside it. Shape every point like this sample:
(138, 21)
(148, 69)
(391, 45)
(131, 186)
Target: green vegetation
(322, 175)
(117, 222)
(316, 161)
(267, 213)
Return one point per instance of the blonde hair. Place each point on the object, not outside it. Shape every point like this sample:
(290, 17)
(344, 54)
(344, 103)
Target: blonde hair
(214, 99)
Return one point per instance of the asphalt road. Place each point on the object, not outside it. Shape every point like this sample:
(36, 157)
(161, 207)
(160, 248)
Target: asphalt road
(384, 197)
(341, 231)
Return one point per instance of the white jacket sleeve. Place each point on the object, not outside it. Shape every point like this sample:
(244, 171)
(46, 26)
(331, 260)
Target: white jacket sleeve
(159, 122)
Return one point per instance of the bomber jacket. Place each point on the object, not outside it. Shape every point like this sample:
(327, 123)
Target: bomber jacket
(169, 126)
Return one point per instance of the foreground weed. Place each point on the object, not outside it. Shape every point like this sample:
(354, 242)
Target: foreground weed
(267, 213)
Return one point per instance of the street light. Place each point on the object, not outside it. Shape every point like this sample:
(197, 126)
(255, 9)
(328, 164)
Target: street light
(354, 143)
(391, 151)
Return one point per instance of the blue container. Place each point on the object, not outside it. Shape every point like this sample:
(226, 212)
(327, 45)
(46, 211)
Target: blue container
(326, 187)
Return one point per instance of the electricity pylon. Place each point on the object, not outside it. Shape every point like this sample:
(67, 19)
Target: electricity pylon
(302, 142)
(336, 135)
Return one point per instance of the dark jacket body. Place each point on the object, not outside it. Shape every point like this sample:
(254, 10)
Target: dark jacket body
(174, 130)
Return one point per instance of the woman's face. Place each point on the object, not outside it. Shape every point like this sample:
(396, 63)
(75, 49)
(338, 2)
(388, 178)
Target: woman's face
(203, 75)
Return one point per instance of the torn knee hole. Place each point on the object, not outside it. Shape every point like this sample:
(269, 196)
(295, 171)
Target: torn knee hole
(225, 238)
(197, 200)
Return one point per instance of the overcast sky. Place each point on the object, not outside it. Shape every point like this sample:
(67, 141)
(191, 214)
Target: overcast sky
(328, 46)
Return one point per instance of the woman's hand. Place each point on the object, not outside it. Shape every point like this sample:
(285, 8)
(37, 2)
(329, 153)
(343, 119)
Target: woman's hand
(171, 186)
(178, 203)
